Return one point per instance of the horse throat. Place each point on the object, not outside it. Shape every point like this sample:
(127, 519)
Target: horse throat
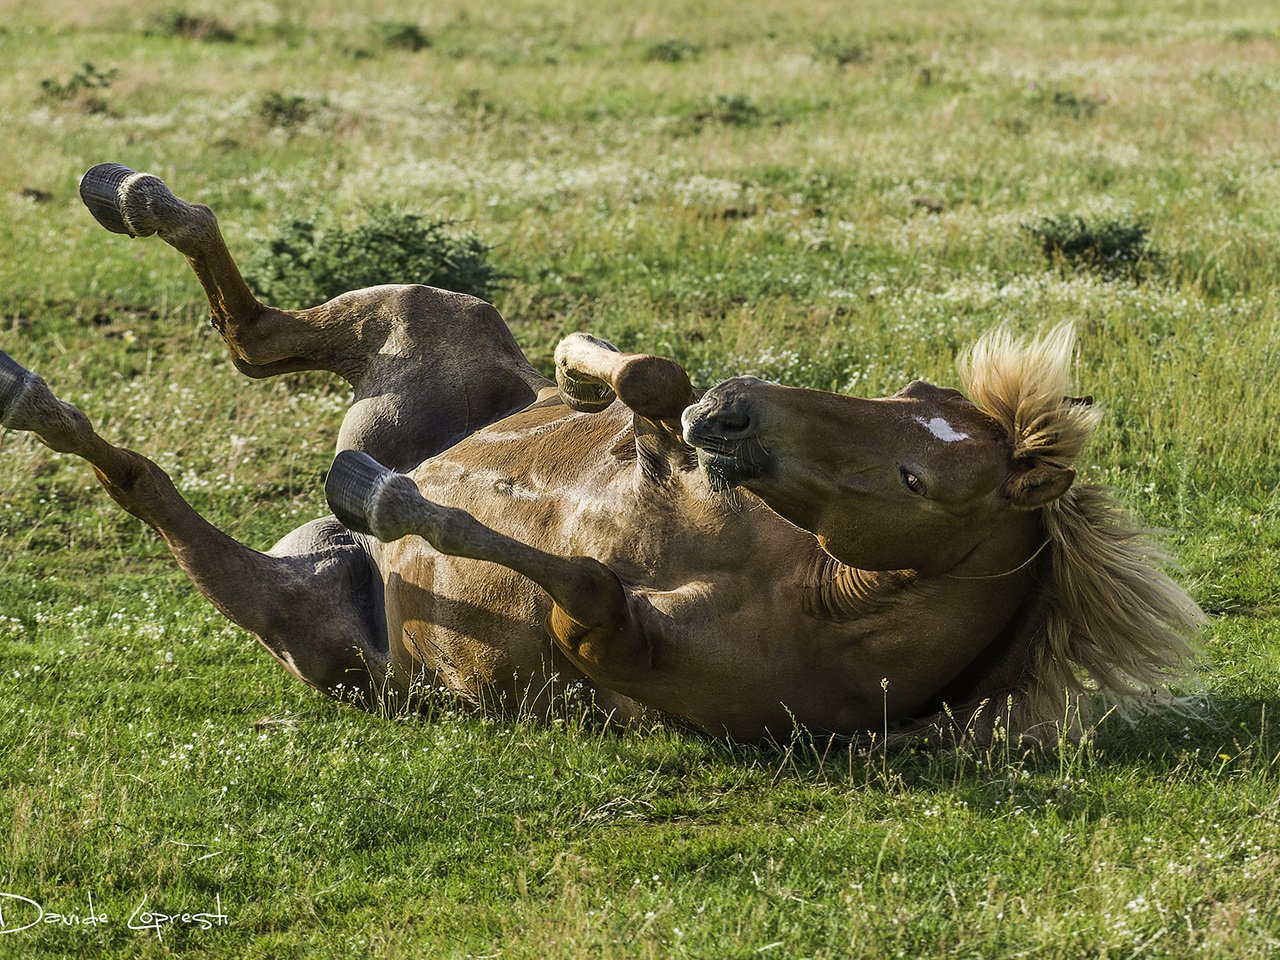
(839, 593)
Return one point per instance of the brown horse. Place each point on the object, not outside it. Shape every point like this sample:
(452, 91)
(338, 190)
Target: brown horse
(752, 559)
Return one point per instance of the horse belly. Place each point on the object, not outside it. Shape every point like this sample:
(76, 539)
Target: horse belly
(472, 628)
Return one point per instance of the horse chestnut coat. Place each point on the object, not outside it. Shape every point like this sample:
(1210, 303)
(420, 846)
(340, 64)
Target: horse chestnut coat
(746, 559)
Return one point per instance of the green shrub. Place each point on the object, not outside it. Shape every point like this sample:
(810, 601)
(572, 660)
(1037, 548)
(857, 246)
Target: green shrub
(399, 35)
(1066, 102)
(285, 111)
(843, 50)
(87, 78)
(673, 51)
(177, 23)
(1114, 246)
(306, 264)
(734, 110)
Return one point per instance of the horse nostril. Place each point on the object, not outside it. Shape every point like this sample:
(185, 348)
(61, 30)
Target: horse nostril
(724, 417)
(733, 422)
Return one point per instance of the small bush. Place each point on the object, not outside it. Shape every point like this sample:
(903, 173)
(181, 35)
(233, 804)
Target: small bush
(177, 23)
(305, 264)
(399, 35)
(1111, 246)
(673, 51)
(734, 110)
(475, 101)
(844, 51)
(87, 78)
(1067, 102)
(285, 111)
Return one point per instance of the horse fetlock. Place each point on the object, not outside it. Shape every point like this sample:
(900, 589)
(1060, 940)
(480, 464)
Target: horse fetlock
(448, 529)
(368, 498)
(139, 204)
(27, 404)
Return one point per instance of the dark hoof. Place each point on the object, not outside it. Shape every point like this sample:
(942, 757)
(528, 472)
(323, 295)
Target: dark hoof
(100, 191)
(14, 380)
(352, 487)
(581, 393)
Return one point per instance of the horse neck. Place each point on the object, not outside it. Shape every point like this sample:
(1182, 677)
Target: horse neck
(839, 592)
(1000, 568)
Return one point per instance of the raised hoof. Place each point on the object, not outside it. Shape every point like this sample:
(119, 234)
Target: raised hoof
(358, 486)
(15, 379)
(125, 201)
(100, 191)
(583, 393)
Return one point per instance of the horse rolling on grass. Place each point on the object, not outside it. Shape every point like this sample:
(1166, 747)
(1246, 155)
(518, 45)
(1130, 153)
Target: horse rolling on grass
(746, 560)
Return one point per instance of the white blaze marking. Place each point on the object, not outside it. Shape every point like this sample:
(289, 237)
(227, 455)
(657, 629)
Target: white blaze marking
(941, 429)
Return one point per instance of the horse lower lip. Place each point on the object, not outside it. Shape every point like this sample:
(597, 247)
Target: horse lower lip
(728, 467)
(720, 470)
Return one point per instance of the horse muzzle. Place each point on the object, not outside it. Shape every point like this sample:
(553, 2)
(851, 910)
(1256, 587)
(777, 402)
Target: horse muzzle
(724, 428)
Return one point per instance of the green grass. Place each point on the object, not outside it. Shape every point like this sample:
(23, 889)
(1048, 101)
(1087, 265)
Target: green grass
(835, 197)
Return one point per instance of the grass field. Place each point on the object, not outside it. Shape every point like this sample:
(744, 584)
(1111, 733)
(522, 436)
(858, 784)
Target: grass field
(832, 195)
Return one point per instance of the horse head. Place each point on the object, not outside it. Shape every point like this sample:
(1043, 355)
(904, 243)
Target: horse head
(918, 480)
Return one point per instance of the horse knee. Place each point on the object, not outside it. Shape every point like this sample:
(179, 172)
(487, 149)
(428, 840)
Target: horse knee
(138, 485)
(603, 638)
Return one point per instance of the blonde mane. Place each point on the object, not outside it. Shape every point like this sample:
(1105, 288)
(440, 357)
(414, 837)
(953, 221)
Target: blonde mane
(1111, 618)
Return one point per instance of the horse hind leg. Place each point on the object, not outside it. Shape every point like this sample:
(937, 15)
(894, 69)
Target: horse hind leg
(427, 366)
(263, 341)
(311, 601)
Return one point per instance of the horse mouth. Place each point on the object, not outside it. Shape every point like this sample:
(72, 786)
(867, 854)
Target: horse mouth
(727, 469)
(729, 452)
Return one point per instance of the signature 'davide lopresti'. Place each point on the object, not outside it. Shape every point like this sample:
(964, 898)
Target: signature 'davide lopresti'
(19, 913)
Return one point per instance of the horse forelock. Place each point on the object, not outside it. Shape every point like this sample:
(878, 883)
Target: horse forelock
(1024, 384)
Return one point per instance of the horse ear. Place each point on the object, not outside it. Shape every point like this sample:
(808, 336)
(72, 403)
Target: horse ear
(1041, 483)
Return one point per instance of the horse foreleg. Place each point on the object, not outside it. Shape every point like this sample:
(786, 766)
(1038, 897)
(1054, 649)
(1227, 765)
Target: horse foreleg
(307, 601)
(590, 373)
(591, 620)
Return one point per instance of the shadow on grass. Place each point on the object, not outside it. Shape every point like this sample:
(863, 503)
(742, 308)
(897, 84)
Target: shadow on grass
(1115, 771)
(1209, 728)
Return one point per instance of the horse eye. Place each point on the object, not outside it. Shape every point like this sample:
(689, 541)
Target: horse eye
(912, 482)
